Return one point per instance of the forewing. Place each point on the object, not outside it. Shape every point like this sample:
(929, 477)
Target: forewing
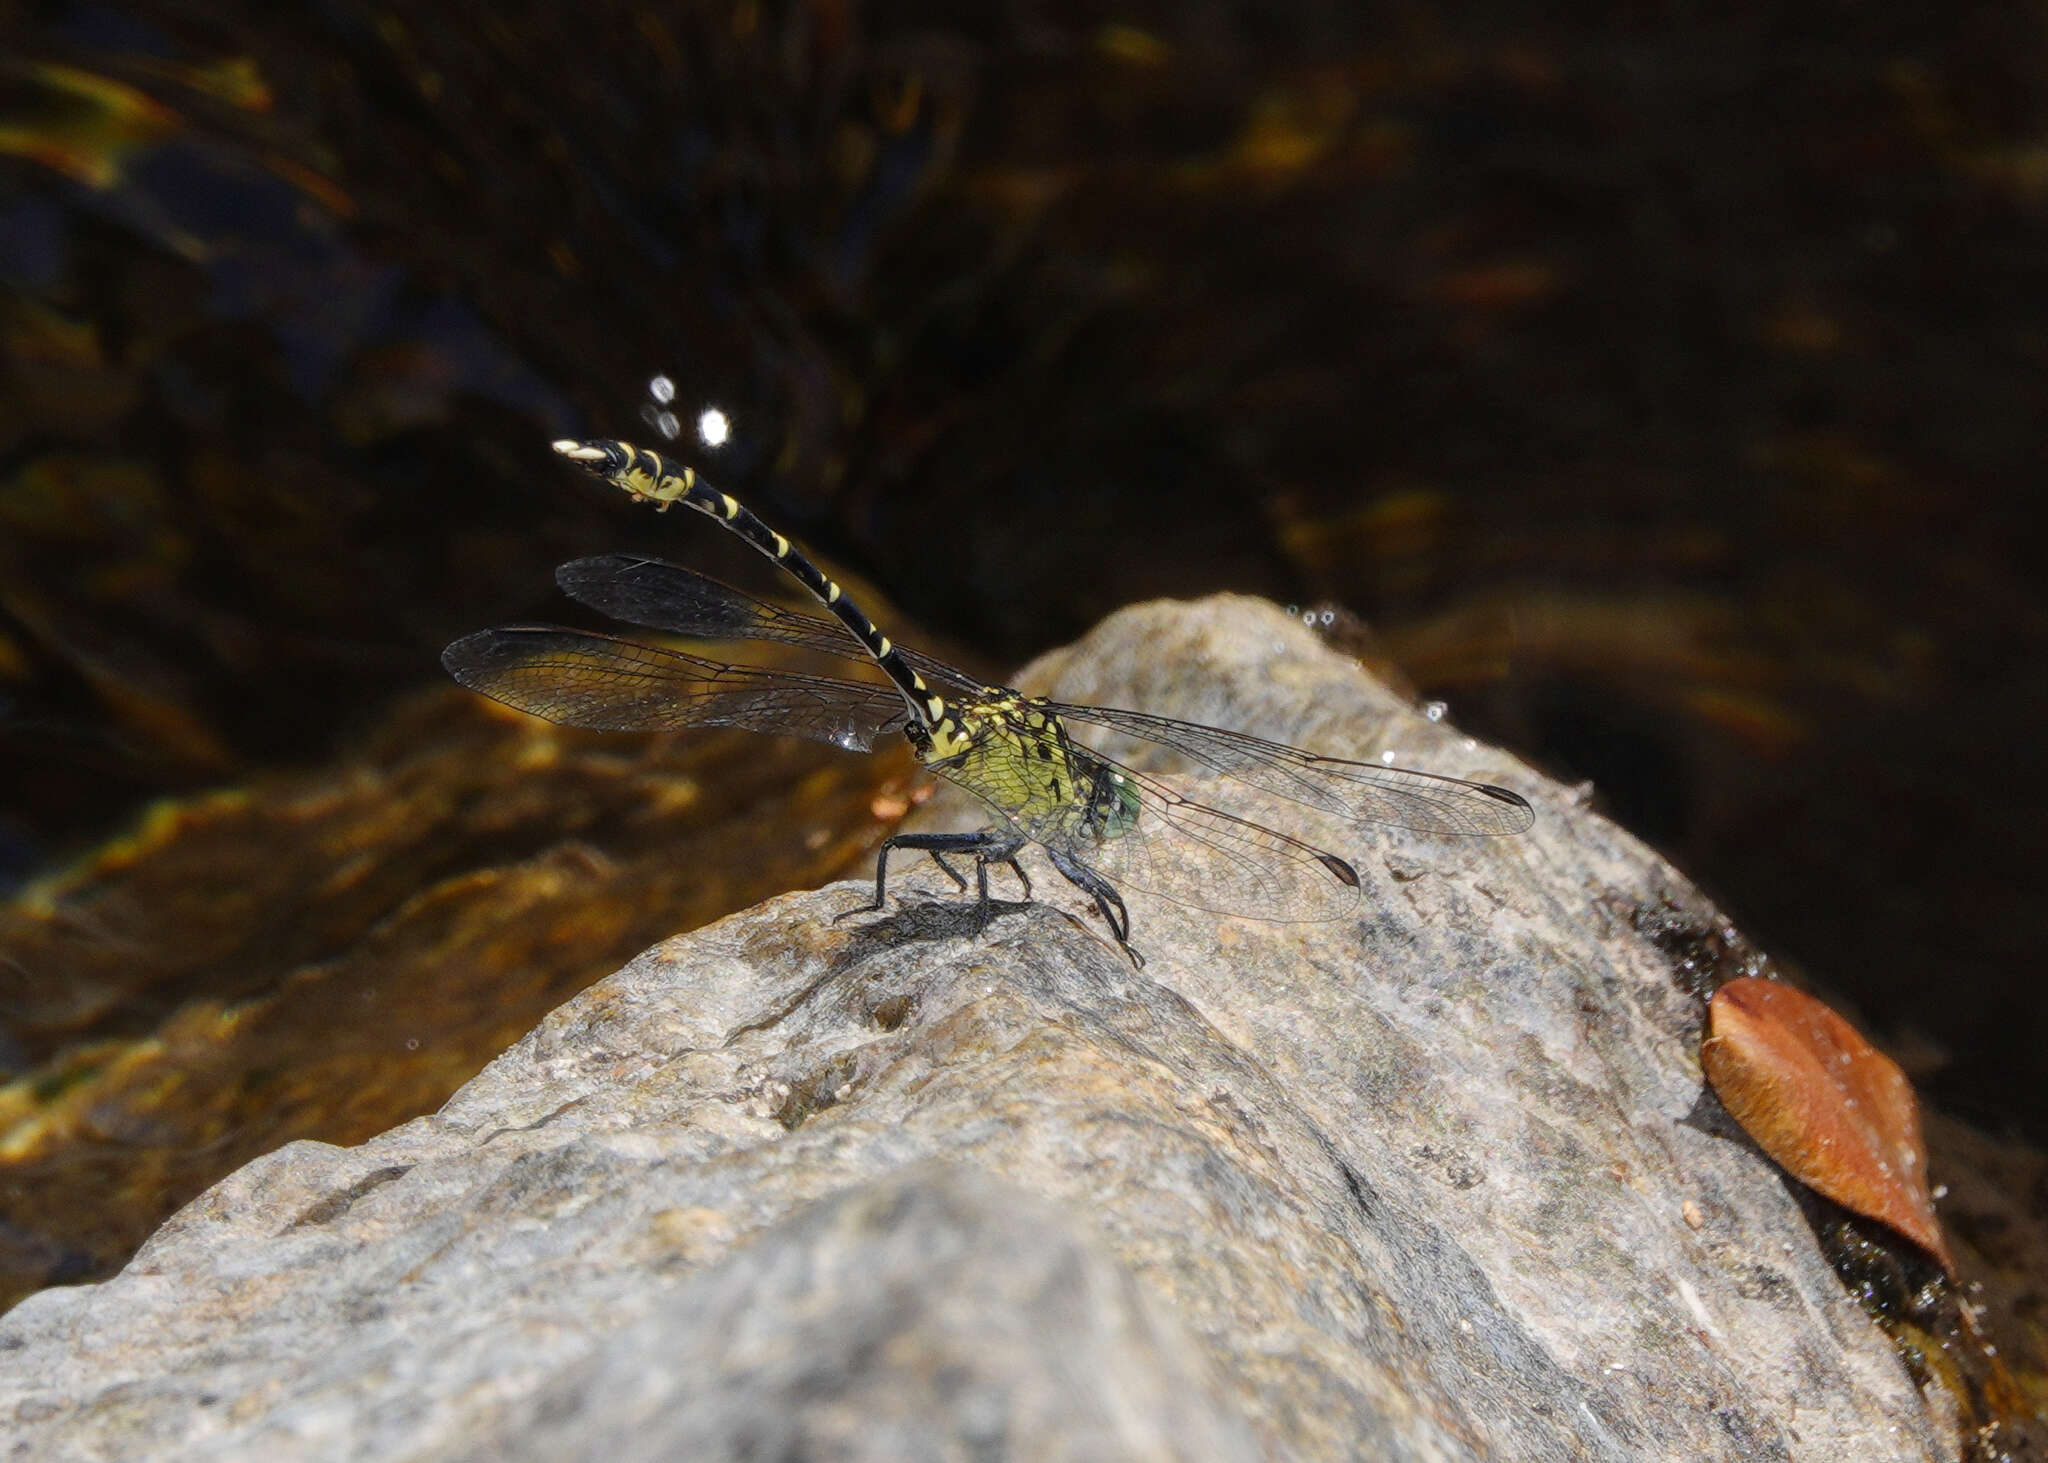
(1364, 792)
(579, 678)
(665, 596)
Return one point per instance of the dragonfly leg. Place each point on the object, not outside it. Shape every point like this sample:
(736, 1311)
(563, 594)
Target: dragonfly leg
(999, 851)
(959, 881)
(981, 904)
(987, 846)
(1107, 900)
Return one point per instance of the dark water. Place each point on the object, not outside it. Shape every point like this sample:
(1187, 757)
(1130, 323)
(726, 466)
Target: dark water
(1663, 386)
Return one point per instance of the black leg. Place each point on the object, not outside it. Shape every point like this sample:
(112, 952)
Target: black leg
(987, 847)
(1000, 850)
(1107, 900)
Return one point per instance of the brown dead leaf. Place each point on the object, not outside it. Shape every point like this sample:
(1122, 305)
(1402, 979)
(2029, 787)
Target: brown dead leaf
(1832, 1110)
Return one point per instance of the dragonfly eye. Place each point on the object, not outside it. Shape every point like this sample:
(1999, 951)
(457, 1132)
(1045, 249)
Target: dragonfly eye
(1112, 803)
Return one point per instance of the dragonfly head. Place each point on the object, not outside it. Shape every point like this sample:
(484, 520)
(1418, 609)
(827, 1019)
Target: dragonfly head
(1112, 803)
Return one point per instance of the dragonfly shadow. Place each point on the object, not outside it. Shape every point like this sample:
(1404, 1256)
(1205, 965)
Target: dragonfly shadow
(932, 918)
(925, 920)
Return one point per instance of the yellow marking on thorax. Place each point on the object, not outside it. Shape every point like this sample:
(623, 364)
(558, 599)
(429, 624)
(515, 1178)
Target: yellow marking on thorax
(950, 735)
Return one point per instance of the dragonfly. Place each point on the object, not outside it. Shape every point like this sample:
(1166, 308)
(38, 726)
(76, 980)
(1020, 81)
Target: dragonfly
(1103, 824)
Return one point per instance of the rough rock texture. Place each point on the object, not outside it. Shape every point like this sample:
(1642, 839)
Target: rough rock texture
(1423, 1184)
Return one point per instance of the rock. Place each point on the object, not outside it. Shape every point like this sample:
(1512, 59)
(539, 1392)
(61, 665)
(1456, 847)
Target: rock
(1425, 1183)
(881, 1324)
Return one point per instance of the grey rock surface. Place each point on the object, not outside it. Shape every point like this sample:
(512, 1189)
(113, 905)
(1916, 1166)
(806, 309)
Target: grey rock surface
(1426, 1183)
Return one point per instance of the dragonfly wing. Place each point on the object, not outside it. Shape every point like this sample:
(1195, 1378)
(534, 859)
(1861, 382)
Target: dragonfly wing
(1192, 854)
(665, 596)
(1365, 792)
(579, 678)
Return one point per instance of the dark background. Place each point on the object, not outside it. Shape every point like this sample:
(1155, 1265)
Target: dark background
(1664, 385)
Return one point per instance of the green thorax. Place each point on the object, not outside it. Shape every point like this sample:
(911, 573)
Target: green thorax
(1015, 755)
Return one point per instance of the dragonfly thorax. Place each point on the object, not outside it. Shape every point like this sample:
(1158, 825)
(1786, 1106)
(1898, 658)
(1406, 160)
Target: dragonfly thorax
(953, 729)
(1014, 755)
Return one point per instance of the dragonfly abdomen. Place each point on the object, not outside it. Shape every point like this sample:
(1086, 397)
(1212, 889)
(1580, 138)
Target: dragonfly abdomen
(651, 478)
